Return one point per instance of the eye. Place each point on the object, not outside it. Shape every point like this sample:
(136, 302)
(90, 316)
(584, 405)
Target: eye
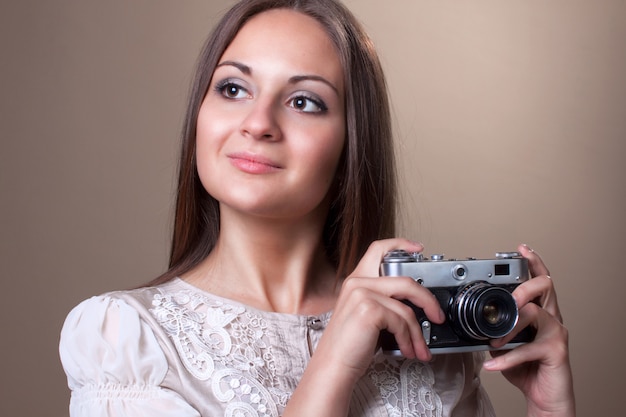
(231, 90)
(307, 104)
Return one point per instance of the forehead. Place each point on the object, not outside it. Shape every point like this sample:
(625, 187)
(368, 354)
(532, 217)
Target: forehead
(286, 36)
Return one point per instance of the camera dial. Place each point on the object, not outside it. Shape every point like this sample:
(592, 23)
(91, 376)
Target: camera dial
(459, 272)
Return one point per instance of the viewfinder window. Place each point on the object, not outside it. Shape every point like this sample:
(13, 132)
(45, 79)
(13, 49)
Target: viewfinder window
(502, 269)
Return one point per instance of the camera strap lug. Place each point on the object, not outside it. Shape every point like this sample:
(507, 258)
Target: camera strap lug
(426, 331)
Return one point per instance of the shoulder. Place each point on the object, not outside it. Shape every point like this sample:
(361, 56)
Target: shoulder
(115, 359)
(109, 339)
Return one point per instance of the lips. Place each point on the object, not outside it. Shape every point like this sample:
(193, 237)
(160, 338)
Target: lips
(253, 164)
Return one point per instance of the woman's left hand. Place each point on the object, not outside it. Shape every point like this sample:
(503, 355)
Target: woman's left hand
(541, 368)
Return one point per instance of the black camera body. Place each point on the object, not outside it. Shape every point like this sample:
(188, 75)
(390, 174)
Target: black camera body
(475, 295)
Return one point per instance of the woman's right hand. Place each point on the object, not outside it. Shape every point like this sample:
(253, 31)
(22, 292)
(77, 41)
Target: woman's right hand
(368, 304)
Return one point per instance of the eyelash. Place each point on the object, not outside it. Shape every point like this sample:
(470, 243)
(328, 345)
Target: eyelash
(222, 87)
(317, 102)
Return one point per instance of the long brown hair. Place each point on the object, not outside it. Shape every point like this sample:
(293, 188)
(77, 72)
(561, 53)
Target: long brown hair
(363, 201)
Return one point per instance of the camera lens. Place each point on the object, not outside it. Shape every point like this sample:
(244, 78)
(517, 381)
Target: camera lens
(483, 311)
(491, 313)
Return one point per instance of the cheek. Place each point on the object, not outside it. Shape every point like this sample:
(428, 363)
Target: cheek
(210, 134)
(207, 129)
(212, 129)
(324, 157)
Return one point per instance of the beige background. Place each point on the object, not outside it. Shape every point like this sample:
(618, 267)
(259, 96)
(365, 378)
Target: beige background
(511, 121)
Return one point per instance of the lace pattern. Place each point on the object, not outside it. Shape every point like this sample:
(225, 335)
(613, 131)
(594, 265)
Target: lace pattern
(406, 387)
(230, 347)
(227, 345)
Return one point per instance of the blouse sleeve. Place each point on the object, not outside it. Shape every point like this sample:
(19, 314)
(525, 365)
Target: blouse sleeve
(114, 363)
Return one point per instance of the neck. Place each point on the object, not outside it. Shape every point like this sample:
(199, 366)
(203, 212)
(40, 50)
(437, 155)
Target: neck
(271, 265)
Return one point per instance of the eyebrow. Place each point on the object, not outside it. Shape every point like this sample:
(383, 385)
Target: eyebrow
(292, 80)
(297, 78)
(241, 67)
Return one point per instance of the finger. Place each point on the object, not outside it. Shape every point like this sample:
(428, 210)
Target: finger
(401, 322)
(381, 312)
(526, 318)
(535, 263)
(539, 290)
(409, 339)
(399, 288)
(369, 266)
(549, 346)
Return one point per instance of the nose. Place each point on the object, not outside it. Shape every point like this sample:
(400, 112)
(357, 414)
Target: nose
(261, 122)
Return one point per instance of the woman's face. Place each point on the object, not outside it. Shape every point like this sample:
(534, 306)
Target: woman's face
(271, 128)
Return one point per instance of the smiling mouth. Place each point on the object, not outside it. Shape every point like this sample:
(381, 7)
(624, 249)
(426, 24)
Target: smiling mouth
(253, 164)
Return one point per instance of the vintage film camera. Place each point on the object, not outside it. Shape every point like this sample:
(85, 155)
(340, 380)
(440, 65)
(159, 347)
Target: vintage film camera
(474, 293)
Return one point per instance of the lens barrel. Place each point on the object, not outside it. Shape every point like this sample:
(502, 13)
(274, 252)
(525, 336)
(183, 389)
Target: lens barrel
(483, 311)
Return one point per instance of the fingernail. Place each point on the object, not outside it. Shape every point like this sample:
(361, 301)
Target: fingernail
(490, 364)
(442, 316)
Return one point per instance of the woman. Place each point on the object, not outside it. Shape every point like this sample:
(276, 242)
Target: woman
(286, 188)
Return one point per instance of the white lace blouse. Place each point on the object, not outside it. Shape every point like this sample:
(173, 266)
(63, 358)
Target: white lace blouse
(174, 350)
